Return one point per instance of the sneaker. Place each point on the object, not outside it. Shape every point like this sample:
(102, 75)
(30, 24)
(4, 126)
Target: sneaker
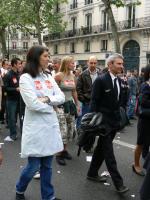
(37, 175)
(66, 155)
(60, 160)
(8, 139)
(20, 196)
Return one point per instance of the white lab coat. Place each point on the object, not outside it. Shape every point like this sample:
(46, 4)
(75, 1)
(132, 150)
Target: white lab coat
(41, 134)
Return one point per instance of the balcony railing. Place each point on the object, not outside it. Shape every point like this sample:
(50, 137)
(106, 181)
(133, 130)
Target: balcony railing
(104, 28)
(17, 50)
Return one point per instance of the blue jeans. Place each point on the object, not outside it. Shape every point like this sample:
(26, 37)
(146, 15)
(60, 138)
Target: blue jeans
(12, 109)
(131, 106)
(45, 165)
(85, 110)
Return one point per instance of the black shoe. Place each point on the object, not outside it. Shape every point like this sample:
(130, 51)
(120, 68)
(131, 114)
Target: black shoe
(141, 173)
(20, 196)
(97, 178)
(66, 155)
(122, 189)
(60, 160)
(2, 122)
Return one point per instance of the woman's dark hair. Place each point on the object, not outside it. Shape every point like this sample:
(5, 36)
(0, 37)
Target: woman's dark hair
(147, 72)
(33, 60)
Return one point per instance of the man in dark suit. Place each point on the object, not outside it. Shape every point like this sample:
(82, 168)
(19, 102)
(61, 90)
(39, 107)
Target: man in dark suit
(106, 95)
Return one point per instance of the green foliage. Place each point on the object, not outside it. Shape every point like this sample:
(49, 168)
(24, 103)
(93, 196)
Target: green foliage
(40, 14)
(122, 3)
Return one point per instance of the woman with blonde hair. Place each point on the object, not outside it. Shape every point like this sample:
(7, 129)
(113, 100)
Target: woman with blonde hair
(67, 111)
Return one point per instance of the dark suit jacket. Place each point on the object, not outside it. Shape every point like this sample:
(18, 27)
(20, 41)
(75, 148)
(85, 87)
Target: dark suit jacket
(104, 100)
(84, 87)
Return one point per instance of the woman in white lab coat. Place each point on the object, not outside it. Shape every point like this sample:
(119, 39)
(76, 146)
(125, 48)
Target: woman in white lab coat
(41, 137)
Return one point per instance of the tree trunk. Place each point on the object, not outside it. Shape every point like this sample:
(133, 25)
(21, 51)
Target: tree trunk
(39, 35)
(113, 25)
(3, 41)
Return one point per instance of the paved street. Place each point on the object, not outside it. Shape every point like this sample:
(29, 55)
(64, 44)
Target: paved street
(70, 181)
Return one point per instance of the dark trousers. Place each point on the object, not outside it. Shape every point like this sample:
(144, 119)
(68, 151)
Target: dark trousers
(3, 107)
(104, 151)
(145, 191)
(13, 109)
(145, 150)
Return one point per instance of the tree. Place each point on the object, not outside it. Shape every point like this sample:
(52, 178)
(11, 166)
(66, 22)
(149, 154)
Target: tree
(5, 19)
(108, 7)
(41, 14)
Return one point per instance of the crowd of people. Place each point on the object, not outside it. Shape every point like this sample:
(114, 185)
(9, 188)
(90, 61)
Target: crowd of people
(49, 100)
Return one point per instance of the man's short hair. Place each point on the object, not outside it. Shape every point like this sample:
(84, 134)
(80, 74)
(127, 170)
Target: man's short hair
(14, 61)
(113, 57)
(57, 60)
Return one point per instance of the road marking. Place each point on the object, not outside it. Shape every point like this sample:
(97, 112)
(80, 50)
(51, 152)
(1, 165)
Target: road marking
(124, 144)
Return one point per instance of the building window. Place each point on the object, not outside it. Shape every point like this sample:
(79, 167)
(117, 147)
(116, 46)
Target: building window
(88, 2)
(74, 4)
(105, 21)
(25, 34)
(72, 47)
(35, 35)
(87, 46)
(88, 28)
(55, 49)
(131, 10)
(104, 45)
(14, 45)
(74, 23)
(25, 45)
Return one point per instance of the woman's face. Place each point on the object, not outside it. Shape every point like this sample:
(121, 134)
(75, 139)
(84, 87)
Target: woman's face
(71, 65)
(44, 59)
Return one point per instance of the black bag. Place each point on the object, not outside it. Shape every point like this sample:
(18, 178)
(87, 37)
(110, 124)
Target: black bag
(92, 125)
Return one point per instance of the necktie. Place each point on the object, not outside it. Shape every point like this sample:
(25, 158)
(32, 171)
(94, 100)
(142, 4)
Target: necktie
(115, 88)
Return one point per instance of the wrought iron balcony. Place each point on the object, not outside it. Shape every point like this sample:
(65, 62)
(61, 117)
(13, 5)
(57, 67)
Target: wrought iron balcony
(18, 50)
(127, 25)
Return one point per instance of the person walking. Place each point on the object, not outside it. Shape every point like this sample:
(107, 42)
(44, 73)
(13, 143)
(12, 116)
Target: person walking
(41, 137)
(143, 137)
(106, 95)
(85, 83)
(66, 112)
(11, 84)
(133, 91)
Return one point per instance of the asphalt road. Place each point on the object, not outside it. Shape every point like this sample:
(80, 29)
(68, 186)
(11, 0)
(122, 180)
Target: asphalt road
(70, 181)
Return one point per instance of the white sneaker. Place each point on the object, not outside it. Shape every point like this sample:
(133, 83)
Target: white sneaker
(8, 139)
(37, 175)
